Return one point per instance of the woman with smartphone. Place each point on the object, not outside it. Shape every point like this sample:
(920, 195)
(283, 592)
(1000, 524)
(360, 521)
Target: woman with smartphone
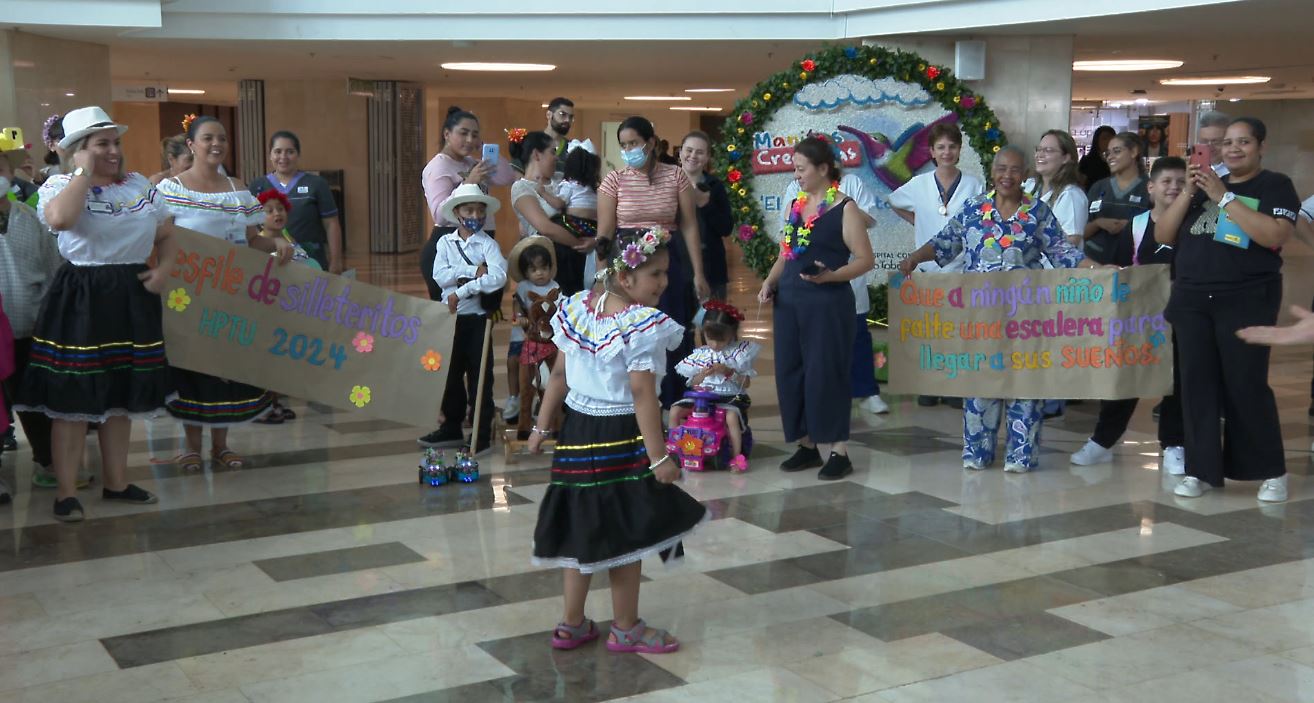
(825, 246)
(1118, 198)
(1229, 234)
(460, 161)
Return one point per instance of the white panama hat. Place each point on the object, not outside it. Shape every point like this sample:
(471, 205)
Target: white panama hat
(84, 121)
(468, 193)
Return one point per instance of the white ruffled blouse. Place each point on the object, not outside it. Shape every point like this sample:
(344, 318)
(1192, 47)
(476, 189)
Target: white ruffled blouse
(118, 225)
(739, 357)
(601, 351)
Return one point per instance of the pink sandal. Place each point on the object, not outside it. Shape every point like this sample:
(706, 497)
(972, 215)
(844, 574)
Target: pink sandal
(739, 464)
(642, 640)
(580, 634)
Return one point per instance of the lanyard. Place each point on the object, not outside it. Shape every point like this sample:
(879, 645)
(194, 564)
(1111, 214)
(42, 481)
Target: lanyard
(946, 196)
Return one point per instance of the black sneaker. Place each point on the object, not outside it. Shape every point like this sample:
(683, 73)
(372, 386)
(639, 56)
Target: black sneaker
(443, 437)
(955, 403)
(836, 468)
(803, 459)
(927, 401)
(131, 494)
(68, 510)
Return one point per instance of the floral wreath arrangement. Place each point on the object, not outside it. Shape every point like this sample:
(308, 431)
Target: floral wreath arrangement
(976, 120)
(52, 130)
(636, 253)
(727, 308)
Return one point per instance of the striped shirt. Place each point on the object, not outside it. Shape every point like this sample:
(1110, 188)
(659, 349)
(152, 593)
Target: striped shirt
(640, 204)
(29, 257)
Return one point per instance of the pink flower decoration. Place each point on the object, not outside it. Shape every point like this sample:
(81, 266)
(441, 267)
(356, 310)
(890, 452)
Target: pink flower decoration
(745, 232)
(968, 102)
(633, 256)
(1017, 228)
(363, 342)
(879, 358)
(746, 117)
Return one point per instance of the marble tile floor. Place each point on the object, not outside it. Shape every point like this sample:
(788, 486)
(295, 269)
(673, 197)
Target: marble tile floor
(323, 572)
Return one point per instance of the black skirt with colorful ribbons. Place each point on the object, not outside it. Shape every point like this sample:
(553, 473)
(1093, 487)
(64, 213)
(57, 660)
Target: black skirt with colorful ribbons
(98, 347)
(603, 507)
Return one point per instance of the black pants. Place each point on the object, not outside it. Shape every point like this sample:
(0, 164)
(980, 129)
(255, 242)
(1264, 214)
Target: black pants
(680, 302)
(428, 253)
(1223, 376)
(1115, 415)
(814, 358)
(36, 426)
(463, 376)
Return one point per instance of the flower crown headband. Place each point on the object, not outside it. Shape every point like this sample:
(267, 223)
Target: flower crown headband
(637, 252)
(273, 194)
(47, 131)
(727, 308)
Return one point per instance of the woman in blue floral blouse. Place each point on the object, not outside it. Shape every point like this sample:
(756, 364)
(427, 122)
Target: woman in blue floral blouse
(1002, 230)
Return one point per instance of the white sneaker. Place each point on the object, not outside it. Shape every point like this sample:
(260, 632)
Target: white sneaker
(1092, 454)
(1012, 468)
(1274, 490)
(1174, 461)
(875, 405)
(1191, 487)
(974, 465)
(512, 410)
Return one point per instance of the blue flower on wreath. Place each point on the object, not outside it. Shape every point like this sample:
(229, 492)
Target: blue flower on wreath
(851, 52)
(992, 134)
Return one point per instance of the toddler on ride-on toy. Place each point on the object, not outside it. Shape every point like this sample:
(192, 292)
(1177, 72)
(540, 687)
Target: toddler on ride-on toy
(719, 373)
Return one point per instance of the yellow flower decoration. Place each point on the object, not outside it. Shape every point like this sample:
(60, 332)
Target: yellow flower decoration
(431, 361)
(921, 67)
(786, 83)
(766, 97)
(957, 98)
(741, 130)
(360, 396)
(801, 74)
(871, 61)
(742, 192)
(987, 126)
(939, 86)
(995, 149)
(744, 209)
(731, 148)
(179, 300)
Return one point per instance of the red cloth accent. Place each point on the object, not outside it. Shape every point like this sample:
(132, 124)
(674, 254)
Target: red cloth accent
(533, 352)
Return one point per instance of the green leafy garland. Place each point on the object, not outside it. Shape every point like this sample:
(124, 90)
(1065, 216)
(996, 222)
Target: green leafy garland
(731, 158)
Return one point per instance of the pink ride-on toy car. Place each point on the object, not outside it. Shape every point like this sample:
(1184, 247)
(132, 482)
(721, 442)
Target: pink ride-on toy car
(701, 443)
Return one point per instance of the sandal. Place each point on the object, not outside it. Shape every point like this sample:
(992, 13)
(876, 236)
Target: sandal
(739, 464)
(642, 640)
(190, 461)
(275, 416)
(577, 635)
(228, 458)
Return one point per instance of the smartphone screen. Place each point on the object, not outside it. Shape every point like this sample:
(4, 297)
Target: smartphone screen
(1201, 157)
(491, 152)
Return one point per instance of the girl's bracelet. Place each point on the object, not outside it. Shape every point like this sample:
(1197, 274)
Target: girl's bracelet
(546, 434)
(659, 462)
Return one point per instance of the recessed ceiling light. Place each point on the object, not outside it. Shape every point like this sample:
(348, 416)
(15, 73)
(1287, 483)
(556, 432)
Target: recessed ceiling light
(1126, 65)
(1234, 100)
(662, 98)
(186, 91)
(1217, 80)
(495, 66)
(70, 95)
(709, 90)
(690, 108)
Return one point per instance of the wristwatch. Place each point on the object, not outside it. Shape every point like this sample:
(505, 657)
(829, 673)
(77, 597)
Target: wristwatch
(79, 171)
(1228, 197)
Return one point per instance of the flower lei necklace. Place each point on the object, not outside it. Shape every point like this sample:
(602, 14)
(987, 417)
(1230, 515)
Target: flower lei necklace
(991, 213)
(797, 238)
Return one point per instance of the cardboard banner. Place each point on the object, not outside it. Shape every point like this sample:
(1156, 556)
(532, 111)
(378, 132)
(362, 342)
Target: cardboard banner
(1032, 334)
(233, 312)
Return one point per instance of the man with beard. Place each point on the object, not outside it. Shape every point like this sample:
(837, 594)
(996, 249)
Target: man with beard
(560, 116)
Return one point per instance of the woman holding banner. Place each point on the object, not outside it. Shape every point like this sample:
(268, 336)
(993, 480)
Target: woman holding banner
(1003, 230)
(1229, 234)
(203, 199)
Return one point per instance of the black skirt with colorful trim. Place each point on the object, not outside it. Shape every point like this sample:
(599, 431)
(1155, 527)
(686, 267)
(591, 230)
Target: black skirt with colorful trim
(603, 507)
(98, 347)
(214, 402)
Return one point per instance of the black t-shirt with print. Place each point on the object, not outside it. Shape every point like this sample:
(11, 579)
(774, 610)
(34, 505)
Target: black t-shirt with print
(1203, 263)
(1107, 200)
